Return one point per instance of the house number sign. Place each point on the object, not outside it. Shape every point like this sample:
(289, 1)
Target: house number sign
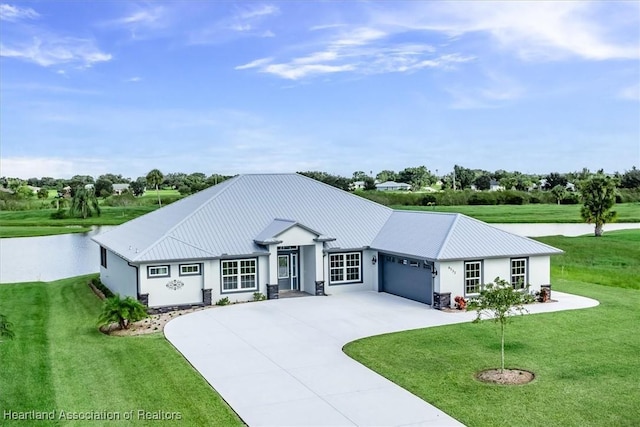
(175, 285)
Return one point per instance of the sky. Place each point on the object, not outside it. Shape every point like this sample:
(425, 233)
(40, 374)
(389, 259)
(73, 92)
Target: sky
(338, 86)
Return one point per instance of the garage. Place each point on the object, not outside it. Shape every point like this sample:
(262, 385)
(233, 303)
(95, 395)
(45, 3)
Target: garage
(407, 277)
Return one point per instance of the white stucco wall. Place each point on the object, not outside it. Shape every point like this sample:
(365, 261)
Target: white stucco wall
(451, 274)
(162, 295)
(119, 276)
(213, 281)
(369, 276)
(296, 236)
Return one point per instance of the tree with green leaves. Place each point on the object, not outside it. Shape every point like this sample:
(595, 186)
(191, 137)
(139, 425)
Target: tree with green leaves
(598, 195)
(498, 301)
(559, 192)
(43, 193)
(84, 203)
(122, 311)
(386, 175)
(418, 177)
(154, 179)
(137, 187)
(6, 328)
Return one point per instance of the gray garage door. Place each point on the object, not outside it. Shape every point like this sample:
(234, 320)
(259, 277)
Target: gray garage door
(406, 277)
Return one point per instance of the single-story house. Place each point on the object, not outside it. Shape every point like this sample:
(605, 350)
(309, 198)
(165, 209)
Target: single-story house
(274, 233)
(120, 188)
(393, 186)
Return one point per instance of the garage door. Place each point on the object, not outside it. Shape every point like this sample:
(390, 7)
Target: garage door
(406, 277)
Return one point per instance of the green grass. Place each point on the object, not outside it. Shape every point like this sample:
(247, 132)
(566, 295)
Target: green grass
(627, 212)
(31, 231)
(60, 361)
(586, 361)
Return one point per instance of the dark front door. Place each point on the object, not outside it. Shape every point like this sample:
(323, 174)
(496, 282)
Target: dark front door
(408, 278)
(288, 271)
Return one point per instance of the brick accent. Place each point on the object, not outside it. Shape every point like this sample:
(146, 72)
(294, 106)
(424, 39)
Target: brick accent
(272, 292)
(206, 296)
(144, 299)
(442, 300)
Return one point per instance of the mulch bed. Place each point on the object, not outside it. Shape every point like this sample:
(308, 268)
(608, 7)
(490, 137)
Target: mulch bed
(506, 377)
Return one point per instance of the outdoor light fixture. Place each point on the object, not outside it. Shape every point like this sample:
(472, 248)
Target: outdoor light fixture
(374, 260)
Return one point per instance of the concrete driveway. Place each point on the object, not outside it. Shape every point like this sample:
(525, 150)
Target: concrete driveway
(280, 362)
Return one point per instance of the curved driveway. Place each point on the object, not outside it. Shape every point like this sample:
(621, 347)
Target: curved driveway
(280, 362)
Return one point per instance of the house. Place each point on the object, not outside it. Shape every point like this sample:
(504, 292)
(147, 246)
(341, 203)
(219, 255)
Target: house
(393, 186)
(275, 233)
(120, 188)
(358, 185)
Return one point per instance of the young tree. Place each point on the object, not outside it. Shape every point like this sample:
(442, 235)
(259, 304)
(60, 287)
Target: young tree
(84, 203)
(598, 196)
(154, 179)
(498, 300)
(559, 192)
(43, 193)
(122, 311)
(6, 328)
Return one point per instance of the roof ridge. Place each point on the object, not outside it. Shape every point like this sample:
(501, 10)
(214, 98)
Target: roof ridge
(448, 236)
(229, 182)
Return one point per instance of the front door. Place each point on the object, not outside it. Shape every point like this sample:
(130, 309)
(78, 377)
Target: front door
(287, 271)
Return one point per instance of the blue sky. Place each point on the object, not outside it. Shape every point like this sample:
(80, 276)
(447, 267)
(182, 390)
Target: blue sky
(248, 86)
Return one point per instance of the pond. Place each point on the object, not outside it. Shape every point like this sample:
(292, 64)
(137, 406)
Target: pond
(47, 258)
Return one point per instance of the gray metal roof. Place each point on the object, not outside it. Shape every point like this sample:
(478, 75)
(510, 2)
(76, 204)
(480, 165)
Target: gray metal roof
(241, 215)
(225, 219)
(451, 236)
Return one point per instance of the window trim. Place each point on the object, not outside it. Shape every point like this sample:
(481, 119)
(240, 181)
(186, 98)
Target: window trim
(198, 273)
(479, 278)
(103, 257)
(345, 267)
(238, 276)
(524, 275)
(156, 276)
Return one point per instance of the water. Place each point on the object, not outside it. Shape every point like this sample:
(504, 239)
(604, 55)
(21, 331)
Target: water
(47, 258)
(571, 230)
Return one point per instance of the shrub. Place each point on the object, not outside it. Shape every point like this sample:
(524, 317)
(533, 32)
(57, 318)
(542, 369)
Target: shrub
(428, 200)
(98, 284)
(511, 197)
(59, 214)
(223, 301)
(259, 296)
(483, 199)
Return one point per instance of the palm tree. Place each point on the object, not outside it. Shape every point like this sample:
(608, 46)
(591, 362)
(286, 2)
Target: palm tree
(122, 311)
(5, 327)
(155, 178)
(84, 203)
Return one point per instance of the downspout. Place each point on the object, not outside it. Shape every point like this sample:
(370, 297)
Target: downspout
(137, 279)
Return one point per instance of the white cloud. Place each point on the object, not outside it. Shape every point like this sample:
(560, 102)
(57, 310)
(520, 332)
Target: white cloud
(631, 93)
(533, 30)
(14, 13)
(26, 167)
(255, 11)
(254, 64)
(295, 72)
(52, 50)
(134, 79)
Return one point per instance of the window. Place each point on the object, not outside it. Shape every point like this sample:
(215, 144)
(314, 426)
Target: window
(345, 268)
(518, 273)
(158, 271)
(190, 269)
(103, 257)
(472, 277)
(239, 275)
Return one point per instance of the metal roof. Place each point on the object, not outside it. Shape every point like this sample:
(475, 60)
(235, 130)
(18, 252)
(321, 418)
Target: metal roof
(226, 218)
(241, 215)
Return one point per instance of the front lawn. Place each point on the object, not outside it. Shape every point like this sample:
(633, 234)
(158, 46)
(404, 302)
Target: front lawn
(586, 361)
(59, 361)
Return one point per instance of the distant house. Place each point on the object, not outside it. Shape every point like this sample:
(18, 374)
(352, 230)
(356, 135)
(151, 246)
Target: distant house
(34, 189)
(275, 233)
(495, 186)
(393, 186)
(358, 185)
(120, 188)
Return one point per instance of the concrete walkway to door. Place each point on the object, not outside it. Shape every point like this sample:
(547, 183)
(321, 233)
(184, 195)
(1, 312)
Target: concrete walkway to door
(280, 362)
